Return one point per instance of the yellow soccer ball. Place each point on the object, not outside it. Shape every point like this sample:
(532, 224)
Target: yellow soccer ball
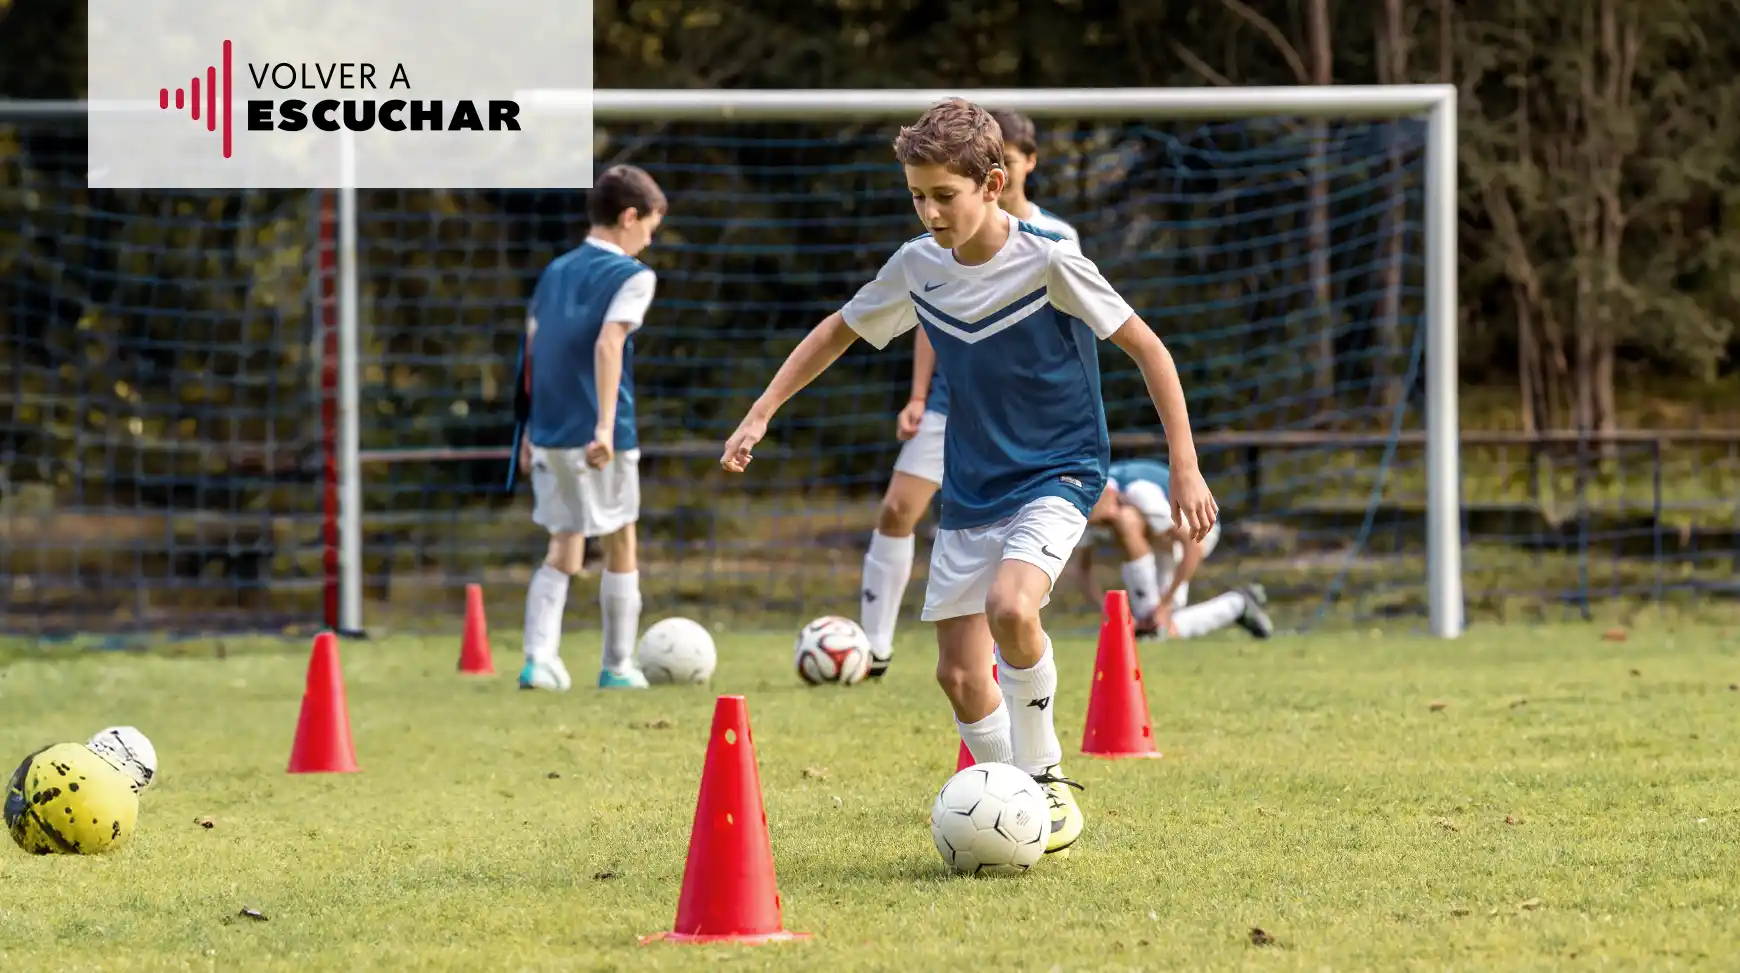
(67, 800)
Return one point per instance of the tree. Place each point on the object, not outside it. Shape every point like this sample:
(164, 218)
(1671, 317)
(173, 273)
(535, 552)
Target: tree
(1589, 128)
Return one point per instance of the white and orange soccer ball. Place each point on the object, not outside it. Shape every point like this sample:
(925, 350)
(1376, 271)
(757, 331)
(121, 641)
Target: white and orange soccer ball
(832, 649)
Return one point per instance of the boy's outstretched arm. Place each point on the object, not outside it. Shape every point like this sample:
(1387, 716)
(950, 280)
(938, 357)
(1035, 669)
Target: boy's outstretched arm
(1193, 507)
(825, 343)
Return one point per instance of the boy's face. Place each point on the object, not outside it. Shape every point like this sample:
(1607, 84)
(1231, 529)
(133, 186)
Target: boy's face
(949, 204)
(637, 230)
(1020, 164)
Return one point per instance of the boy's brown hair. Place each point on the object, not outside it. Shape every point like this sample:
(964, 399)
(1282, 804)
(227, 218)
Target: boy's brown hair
(954, 133)
(619, 188)
(1018, 130)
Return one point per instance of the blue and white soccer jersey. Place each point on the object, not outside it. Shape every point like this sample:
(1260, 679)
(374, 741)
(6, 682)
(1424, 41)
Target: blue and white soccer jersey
(1026, 447)
(1142, 483)
(579, 292)
(922, 455)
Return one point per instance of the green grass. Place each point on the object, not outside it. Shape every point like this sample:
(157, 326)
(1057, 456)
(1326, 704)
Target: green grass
(1570, 805)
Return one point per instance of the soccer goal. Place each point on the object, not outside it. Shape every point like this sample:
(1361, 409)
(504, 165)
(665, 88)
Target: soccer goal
(245, 409)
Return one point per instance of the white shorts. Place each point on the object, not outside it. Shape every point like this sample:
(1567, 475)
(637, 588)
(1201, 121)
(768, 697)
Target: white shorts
(573, 498)
(963, 563)
(1157, 510)
(922, 455)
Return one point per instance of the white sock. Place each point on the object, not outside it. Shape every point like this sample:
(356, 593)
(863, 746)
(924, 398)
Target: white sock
(1030, 694)
(887, 568)
(988, 739)
(1214, 614)
(1142, 581)
(1181, 597)
(545, 598)
(619, 600)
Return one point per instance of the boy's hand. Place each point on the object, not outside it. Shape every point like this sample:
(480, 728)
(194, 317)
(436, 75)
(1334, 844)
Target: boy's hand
(525, 452)
(601, 448)
(1193, 507)
(906, 424)
(741, 445)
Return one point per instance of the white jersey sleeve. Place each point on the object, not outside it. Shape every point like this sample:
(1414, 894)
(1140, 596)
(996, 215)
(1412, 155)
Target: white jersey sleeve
(882, 309)
(1077, 288)
(632, 299)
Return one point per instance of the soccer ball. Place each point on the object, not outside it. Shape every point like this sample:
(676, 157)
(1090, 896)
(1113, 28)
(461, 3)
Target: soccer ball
(67, 800)
(990, 819)
(677, 650)
(833, 649)
(128, 751)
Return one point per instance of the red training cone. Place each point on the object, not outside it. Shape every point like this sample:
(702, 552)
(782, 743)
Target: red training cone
(475, 658)
(729, 893)
(323, 744)
(1117, 715)
(964, 759)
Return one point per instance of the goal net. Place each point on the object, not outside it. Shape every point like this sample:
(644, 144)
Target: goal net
(171, 441)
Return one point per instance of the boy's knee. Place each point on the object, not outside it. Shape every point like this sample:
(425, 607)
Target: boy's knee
(898, 516)
(1009, 608)
(567, 553)
(619, 549)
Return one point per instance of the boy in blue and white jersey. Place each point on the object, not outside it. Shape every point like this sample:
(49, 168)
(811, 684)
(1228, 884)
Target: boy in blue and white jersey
(1013, 313)
(581, 444)
(1160, 558)
(921, 424)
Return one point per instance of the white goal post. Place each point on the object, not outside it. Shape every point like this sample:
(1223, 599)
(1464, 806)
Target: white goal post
(1436, 103)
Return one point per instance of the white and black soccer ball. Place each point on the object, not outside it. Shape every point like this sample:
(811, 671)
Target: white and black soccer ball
(677, 651)
(832, 649)
(128, 751)
(990, 819)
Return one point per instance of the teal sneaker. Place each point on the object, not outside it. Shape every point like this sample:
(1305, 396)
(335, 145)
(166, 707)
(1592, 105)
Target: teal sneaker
(627, 679)
(550, 674)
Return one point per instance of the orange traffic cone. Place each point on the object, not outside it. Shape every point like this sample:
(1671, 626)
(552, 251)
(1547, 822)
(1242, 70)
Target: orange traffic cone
(729, 893)
(1117, 715)
(323, 744)
(964, 759)
(475, 658)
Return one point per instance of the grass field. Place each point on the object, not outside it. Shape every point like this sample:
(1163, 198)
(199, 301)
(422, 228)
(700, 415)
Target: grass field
(1522, 799)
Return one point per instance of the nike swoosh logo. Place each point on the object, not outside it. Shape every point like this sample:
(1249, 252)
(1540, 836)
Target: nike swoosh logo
(931, 287)
(1045, 549)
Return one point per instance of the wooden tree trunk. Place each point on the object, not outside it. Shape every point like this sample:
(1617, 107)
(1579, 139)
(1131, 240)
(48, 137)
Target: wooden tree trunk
(1392, 61)
(1528, 363)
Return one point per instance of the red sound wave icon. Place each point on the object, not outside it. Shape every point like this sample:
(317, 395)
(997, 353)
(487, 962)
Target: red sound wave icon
(189, 98)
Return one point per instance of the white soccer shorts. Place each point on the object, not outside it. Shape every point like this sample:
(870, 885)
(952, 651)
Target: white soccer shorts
(922, 455)
(573, 498)
(1157, 510)
(963, 563)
